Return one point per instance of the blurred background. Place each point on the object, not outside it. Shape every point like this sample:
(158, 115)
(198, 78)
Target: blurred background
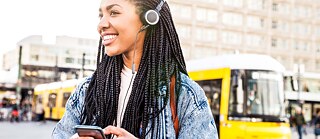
(48, 45)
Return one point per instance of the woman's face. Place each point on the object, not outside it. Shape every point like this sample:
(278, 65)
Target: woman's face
(118, 27)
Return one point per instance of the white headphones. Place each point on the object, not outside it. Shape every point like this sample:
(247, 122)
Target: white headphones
(151, 17)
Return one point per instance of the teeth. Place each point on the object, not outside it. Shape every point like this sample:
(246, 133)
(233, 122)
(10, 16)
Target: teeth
(109, 37)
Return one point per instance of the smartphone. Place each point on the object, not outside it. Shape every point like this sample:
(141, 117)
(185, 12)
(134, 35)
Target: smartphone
(90, 131)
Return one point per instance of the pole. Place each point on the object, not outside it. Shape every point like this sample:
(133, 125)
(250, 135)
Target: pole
(83, 63)
(299, 82)
(18, 87)
(56, 69)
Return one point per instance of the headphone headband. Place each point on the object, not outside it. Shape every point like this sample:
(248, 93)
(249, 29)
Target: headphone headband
(159, 7)
(151, 17)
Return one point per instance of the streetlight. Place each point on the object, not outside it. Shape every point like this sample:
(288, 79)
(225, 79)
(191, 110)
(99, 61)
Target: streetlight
(83, 63)
(18, 87)
(299, 70)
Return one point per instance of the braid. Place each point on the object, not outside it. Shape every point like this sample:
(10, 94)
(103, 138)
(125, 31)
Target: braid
(162, 57)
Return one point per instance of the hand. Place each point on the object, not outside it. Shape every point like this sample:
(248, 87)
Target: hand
(119, 132)
(76, 136)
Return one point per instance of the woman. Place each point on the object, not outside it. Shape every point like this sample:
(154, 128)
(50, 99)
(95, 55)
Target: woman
(129, 95)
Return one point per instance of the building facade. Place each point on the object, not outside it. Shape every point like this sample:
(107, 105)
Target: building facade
(288, 30)
(44, 62)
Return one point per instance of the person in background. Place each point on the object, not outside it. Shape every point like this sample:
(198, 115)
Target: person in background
(14, 113)
(140, 73)
(317, 124)
(40, 112)
(299, 122)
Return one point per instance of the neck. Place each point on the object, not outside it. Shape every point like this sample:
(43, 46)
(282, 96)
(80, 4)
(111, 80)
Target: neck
(134, 55)
(128, 58)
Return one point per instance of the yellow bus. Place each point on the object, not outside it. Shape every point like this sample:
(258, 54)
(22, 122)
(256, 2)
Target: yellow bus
(54, 97)
(245, 94)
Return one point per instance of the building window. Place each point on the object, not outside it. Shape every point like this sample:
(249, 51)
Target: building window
(283, 43)
(229, 37)
(34, 57)
(305, 46)
(274, 42)
(181, 11)
(318, 47)
(274, 24)
(256, 4)
(284, 8)
(206, 34)
(69, 60)
(184, 31)
(296, 45)
(275, 7)
(212, 16)
(301, 11)
(318, 65)
(201, 14)
(206, 15)
(255, 22)
(254, 40)
(233, 19)
(317, 31)
(300, 28)
(283, 26)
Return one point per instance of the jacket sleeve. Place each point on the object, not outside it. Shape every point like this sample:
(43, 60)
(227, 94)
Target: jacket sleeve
(195, 116)
(64, 128)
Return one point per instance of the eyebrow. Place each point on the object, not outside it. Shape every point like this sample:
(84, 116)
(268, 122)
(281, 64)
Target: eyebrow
(112, 5)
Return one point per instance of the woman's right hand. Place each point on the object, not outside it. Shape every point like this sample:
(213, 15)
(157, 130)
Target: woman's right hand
(76, 136)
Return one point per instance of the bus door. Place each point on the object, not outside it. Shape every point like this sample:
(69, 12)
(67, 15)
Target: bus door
(231, 104)
(52, 105)
(65, 97)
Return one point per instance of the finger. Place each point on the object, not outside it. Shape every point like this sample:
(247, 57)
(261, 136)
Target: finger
(81, 138)
(113, 130)
(75, 136)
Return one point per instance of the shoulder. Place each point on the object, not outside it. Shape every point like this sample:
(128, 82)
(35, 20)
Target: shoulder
(192, 91)
(78, 94)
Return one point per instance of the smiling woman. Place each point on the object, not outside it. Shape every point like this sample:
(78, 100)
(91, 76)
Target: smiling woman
(131, 101)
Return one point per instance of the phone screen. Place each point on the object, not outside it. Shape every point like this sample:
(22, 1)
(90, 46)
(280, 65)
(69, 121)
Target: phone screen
(90, 131)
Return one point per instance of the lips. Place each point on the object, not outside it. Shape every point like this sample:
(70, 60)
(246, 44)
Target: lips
(108, 39)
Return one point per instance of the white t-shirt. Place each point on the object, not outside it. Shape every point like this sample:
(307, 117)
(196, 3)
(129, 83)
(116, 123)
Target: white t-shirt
(126, 75)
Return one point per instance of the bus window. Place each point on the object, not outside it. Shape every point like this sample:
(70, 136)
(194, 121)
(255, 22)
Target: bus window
(52, 100)
(256, 94)
(236, 93)
(66, 96)
(254, 98)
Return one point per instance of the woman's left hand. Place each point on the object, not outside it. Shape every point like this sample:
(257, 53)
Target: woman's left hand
(119, 132)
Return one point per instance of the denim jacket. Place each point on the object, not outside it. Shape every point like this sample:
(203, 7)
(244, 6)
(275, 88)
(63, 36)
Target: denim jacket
(195, 117)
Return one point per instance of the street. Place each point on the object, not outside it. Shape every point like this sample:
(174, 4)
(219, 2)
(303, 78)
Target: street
(310, 134)
(36, 130)
(26, 130)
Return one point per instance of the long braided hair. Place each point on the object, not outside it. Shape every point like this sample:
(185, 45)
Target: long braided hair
(162, 57)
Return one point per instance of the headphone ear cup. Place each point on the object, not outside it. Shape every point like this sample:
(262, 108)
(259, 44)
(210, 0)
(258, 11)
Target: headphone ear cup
(151, 17)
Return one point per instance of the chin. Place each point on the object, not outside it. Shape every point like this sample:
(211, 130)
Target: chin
(111, 53)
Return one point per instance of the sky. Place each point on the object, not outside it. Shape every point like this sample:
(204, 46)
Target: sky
(22, 18)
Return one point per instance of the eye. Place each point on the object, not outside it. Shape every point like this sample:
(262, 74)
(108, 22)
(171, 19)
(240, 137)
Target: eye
(100, 15)
(113, 13)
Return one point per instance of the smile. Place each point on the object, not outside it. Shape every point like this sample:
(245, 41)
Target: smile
(108, 39)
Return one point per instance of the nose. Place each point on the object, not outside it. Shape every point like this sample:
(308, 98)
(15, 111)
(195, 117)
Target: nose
(103, 24)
